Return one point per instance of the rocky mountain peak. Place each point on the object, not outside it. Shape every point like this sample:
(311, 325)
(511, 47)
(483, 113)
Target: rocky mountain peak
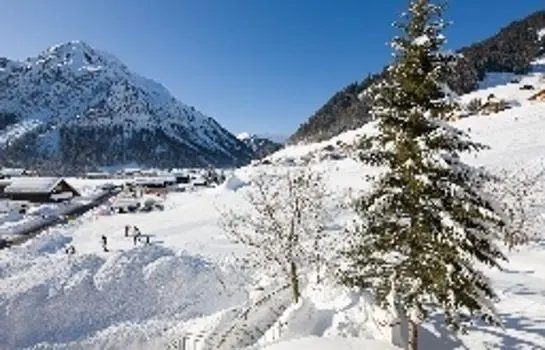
(79, 106)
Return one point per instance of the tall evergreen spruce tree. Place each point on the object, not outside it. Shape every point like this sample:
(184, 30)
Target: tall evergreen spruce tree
(426, 221)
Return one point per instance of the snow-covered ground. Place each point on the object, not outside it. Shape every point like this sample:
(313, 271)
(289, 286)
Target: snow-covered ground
(185, 282)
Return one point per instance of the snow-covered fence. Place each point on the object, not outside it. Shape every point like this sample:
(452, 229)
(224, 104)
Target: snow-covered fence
(242, 326)
(188, 341)
(252, 323)
(31, 227)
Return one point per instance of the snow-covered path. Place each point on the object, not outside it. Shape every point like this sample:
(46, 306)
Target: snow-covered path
(521, 288)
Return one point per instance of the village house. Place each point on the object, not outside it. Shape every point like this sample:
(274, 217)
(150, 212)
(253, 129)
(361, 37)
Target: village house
(539, 96)
(11, 172)
(154, 182)
(3, 184)
(181, 176)
(150, 172)
(39, 189)
(131, 171)
(182, 179)
(493, 105)
(97, 175)
(8, 207)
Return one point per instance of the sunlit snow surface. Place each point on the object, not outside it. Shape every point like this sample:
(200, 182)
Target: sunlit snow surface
(144, 296)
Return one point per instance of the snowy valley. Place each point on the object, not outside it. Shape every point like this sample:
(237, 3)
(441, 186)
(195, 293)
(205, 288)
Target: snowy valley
(420, 230)
(187, 286)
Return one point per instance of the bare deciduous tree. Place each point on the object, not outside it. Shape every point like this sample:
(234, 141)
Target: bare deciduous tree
(284, 226)
(519, 194)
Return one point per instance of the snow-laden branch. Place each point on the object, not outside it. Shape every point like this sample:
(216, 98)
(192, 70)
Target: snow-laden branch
(284, 226)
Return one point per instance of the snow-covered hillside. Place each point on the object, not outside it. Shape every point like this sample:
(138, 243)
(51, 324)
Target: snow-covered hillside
(186, 283)
(77, 104)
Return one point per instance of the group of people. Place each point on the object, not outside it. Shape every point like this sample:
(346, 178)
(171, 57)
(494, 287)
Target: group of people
(137, 235)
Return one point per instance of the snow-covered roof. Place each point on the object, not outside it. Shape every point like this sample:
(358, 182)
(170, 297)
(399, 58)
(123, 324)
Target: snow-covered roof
(12, 171)
(158, 180)
(4, 182)
(97, 173)
(32, 184)
(131, 170)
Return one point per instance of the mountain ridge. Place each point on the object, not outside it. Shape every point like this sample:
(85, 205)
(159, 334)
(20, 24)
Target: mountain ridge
(261, 145)
(74, 107)
(511, 49)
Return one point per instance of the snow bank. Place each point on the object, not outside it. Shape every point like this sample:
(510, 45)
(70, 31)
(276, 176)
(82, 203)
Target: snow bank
(59, 298)
(233, 183)
(331, 310)
(142, 297)
(337, 343)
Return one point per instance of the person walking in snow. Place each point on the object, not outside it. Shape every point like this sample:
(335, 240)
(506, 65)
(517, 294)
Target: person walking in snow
(127, 228)
(147, 240)
(104, 243)
(71, 250)
(137, 235)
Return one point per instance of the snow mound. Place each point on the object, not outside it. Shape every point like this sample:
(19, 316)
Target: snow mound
(331, 310)
(234, 183)
(337, 343)
(59, 298)
(541, 33)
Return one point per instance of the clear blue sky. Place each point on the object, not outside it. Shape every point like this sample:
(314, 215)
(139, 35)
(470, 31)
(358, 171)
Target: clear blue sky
(253, 65)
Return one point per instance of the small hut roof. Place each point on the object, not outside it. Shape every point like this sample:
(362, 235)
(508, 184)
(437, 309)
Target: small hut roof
(34, 184)
(539, 93)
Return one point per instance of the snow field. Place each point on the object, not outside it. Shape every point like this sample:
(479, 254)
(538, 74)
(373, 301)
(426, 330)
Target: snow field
(185, 282)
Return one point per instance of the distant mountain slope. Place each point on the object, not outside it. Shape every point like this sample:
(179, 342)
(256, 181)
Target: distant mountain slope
(261, 146)
(512, 49)
(74, 107)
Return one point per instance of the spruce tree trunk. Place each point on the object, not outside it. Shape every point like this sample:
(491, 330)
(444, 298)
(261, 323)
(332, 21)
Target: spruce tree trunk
(295, 283)
(412, 329)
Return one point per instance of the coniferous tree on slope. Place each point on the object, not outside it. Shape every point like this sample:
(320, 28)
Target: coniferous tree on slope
(426, 221)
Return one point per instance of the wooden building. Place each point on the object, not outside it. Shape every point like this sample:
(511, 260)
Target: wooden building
(154, 182)
(540, 96)
(493, 105)
(97, 175)
(181, 177)
(11, 172)
(3, 184)
(39, 189)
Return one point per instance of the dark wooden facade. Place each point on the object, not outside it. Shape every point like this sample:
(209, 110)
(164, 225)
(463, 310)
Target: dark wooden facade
(43, 196)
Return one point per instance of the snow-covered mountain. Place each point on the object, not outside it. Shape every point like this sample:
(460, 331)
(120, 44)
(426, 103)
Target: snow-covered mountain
(76, 106)
(261, 145)
(511, 50)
